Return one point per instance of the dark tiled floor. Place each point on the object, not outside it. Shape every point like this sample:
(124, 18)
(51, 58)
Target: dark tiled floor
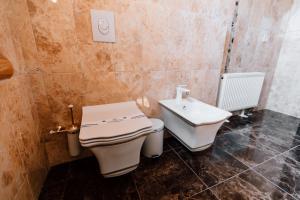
(254, 158)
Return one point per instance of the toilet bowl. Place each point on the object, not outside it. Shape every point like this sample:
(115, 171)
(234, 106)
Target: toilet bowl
(115, 134)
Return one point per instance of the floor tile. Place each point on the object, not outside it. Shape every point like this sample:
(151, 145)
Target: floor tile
(277, 131)
(212, 165)
(262, 116)
(173, 143)
(244, 149)
(84, 168)
(223, 130)
(166, 177)
(57, 174)
(53, 192)
(237, 122)
(249, 185)
(205, 195)
(270, 117)
(266, 136)
(294, 153)
(253, 142)
(284, 172)
(98, 188)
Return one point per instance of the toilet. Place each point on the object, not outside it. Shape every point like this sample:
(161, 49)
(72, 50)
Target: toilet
(115, 134)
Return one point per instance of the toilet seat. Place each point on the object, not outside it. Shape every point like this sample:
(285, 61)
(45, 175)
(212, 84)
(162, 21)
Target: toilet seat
(115, 140)
(102, 125)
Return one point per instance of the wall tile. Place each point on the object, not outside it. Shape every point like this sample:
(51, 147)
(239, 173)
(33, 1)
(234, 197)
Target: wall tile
(22, 152)
(159, 44)
(53, 26)
(263, 19)
(204, 85)
(284, 92)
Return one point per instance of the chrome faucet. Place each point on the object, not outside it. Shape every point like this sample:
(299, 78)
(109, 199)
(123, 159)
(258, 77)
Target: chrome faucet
(180, 91)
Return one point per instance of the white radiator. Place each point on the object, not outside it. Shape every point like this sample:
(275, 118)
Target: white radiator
(240, 90)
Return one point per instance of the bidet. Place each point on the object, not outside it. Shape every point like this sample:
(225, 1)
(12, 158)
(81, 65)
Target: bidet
(192, 122)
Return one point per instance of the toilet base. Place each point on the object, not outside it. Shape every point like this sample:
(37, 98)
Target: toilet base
(194, 149)
(118, 159)
(120, 172)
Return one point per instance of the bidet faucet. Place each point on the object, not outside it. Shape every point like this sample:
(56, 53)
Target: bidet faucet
(181, 90)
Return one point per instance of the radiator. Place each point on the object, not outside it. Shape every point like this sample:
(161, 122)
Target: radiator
(240, 90)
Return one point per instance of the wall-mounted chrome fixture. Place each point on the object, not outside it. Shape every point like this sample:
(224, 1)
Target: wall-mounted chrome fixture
(72, 134)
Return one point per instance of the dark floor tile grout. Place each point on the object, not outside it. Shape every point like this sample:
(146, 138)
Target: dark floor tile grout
(167, 150)
(273, 183)
(275, 157)
(186, 164)
(255, 166)
(249, 168)
(136, 188)
(270, 148)
(209, 188)
(63, 193)
(189, 167)
(291, 157)
(253, 169)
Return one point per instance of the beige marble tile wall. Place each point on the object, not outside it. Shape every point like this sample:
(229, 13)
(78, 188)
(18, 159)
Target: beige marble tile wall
(259, 33)
(159, 44)
(284, 95)
(23, 163)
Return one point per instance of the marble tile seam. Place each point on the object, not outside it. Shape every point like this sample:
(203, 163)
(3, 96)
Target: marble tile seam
(261, 162)
(262, 144)
(275, 157)
(291, 157)
(276, 186)
(249, 168)
(281, 154)
(188, 166)
(136, 188)
(208, 188)
(192, 171)
(63, 193)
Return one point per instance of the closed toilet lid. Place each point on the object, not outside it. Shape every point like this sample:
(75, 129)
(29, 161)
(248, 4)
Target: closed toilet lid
(110, 141)
(112, 121)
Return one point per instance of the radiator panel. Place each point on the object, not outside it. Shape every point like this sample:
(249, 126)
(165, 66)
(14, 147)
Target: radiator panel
(240, 90)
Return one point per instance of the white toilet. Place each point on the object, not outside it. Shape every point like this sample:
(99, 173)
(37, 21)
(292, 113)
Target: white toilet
(115, 134)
